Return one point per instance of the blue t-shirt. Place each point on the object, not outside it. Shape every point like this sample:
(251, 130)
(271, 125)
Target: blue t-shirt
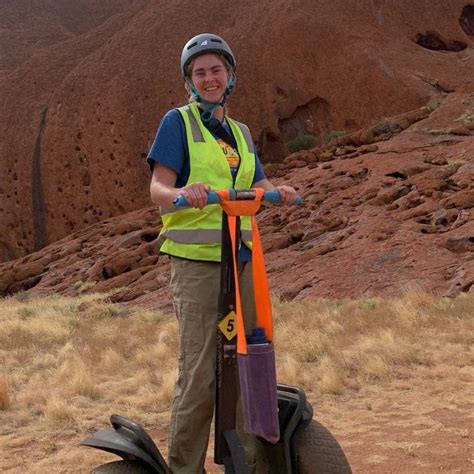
(170, 149)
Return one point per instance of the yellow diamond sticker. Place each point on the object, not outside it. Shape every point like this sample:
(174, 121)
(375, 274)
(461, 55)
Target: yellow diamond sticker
(228, 326)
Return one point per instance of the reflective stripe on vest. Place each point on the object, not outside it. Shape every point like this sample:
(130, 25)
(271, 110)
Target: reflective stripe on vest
(200, 236)
(195, 130)
(193, 233)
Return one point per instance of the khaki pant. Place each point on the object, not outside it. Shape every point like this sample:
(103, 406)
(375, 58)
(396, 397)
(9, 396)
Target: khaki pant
(195, 288)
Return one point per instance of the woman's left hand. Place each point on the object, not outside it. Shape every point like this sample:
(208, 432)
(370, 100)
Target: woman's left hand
(287, 193)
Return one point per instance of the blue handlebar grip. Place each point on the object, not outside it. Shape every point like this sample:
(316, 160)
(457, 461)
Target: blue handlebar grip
(212, 198)
(272, 196)
(275, 198)
(180, 201)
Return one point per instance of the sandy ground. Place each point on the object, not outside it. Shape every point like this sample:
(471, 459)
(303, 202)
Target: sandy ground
(397, 427)
(404, 428)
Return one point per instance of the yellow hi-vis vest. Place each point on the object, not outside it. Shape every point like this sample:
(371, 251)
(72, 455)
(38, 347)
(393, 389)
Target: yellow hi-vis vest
(193, 233)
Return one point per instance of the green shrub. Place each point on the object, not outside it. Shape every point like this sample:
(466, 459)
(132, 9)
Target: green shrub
(330, 136)
(302, 142)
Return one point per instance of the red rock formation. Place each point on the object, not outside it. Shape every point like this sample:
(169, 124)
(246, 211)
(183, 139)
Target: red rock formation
(83, 88)
(385, 208)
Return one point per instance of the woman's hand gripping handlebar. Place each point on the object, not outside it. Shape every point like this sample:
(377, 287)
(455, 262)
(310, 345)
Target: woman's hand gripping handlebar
(238, 195)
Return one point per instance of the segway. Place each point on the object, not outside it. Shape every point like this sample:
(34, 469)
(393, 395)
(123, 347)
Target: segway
(304, 446)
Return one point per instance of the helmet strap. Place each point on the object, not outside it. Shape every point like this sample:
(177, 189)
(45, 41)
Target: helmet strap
(211, 106)
(230, 86)
(209, 111)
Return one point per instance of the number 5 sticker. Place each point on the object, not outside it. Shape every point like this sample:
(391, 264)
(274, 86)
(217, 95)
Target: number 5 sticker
(228, 326)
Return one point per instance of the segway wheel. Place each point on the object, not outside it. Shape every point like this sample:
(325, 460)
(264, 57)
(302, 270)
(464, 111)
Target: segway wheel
(123, 467)
(318, 452)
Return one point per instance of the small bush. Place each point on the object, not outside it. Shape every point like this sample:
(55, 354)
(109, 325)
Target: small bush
(302, 142)
(25, 312)
(468, 117)
(330, 136)
(58, 410)
(83, 286)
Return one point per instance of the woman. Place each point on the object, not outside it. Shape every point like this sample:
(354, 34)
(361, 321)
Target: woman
(198, 148)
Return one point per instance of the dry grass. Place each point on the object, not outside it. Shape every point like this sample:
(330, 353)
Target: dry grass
(339, 345)
(4, 392)
(70, 363)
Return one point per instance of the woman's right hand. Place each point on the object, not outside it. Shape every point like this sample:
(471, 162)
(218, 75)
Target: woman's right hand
(195, 194)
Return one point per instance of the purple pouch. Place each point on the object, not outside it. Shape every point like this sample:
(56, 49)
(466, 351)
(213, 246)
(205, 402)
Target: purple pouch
(258, 389)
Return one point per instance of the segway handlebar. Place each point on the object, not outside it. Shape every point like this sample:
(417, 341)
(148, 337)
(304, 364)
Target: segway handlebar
(238, 195)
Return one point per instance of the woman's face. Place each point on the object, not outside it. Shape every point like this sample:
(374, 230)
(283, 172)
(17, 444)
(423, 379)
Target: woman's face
(210, 77)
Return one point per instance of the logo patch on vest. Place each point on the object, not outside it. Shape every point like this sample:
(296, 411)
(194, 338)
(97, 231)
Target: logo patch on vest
(230, 153)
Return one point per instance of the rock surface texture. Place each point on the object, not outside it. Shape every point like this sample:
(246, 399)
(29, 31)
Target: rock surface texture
(83, 87)
(385, 207)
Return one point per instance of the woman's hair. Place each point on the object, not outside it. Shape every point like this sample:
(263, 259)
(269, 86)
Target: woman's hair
(189, 70)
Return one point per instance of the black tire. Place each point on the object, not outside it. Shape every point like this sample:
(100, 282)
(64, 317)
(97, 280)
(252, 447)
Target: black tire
(123, 467)
(318, 452)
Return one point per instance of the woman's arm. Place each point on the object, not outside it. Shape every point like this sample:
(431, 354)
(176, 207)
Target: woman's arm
(163, 191)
